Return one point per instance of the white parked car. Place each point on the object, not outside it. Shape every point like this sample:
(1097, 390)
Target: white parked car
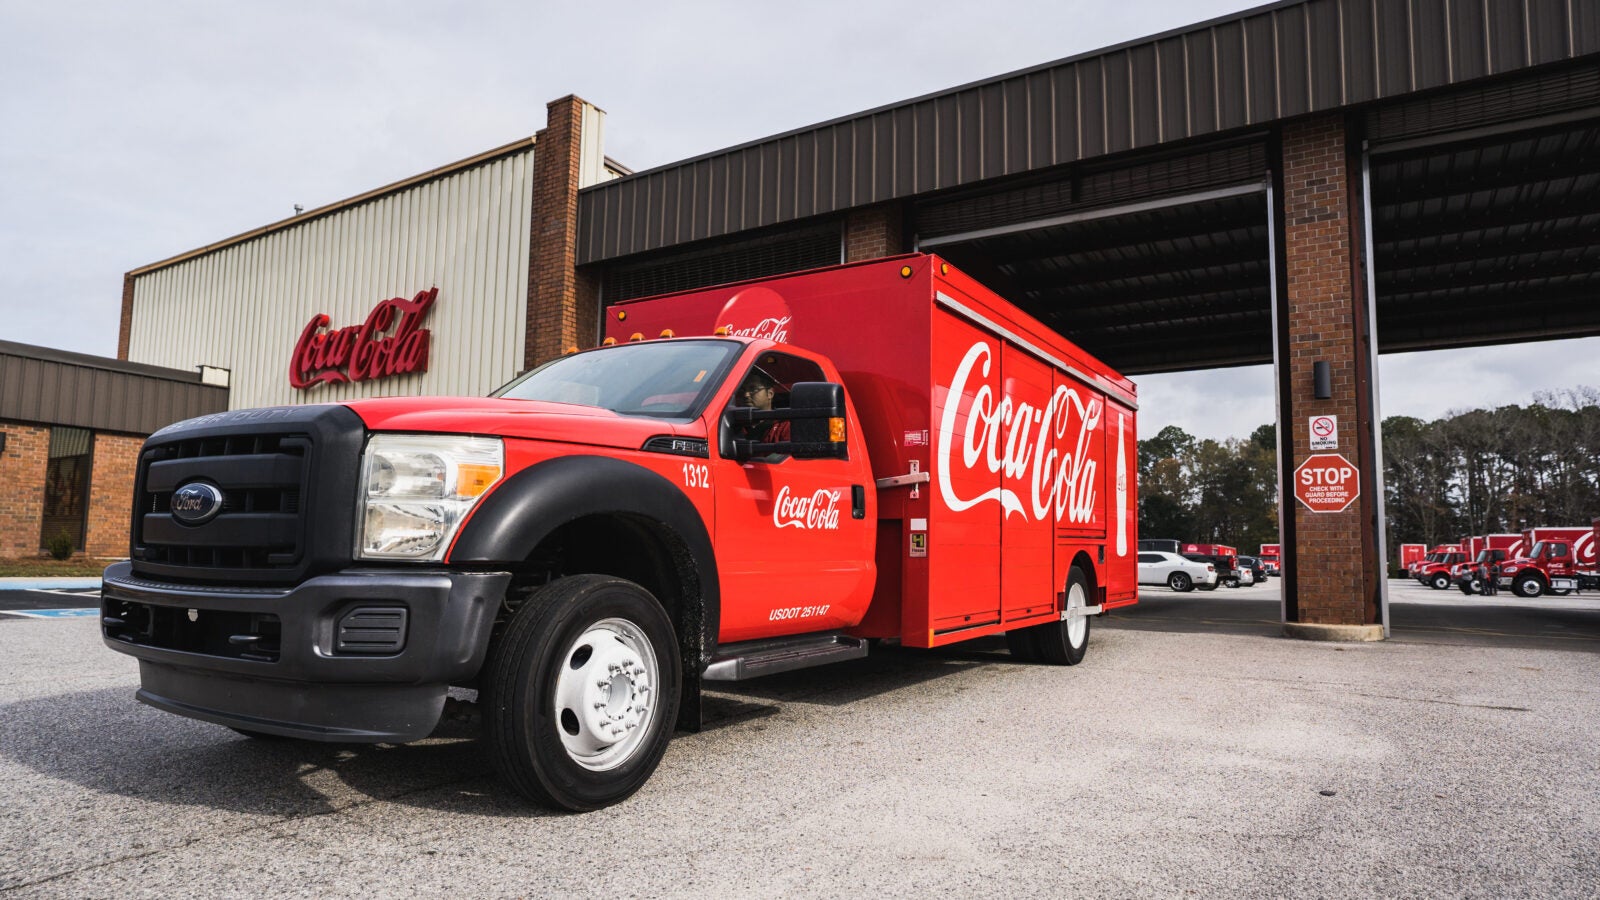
(1175, 572)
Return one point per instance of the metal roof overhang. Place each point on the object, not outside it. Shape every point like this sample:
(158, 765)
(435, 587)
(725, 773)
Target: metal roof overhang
(1120, 196)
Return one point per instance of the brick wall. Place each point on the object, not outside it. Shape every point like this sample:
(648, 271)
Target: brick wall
(1335, 575)
(874, 232)
(116, 457)
(22, 487)
(558, 316)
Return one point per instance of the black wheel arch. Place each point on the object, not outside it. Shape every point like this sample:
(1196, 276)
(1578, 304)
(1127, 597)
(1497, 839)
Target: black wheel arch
(535, 503)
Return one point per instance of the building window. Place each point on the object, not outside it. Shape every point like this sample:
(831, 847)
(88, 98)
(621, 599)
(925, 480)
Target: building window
(66, 485)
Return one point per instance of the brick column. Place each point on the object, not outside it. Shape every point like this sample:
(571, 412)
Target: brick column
(22, 466)
(1335, 579)
(555, 318)
(874, 231)
(116, 461)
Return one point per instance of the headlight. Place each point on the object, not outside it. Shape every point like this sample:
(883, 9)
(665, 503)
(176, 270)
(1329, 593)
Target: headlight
(416, 489)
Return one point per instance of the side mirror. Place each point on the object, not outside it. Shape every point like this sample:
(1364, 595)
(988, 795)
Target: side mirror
(817, 424)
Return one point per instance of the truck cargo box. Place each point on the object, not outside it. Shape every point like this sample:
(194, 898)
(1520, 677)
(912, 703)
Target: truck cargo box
(1003, 453)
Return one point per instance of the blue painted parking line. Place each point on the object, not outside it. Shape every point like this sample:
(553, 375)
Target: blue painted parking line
(51, 613)
(49, 584)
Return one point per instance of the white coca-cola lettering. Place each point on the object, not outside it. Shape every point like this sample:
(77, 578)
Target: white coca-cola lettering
(818, 511)
(1020, 442)
(772, 329)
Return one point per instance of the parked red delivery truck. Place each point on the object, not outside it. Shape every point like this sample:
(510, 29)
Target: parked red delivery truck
(746, 480)
(1556, 560)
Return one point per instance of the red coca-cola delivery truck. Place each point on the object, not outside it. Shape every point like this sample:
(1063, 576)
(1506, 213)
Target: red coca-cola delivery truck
(746, 480)
(1439, 553)
(1410, 554)
(1557, 560)
(1272, 558)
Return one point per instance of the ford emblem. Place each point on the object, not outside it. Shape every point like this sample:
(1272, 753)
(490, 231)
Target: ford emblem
(196, 503)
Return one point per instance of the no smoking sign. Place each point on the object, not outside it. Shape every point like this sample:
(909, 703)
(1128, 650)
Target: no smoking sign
(1324, 431)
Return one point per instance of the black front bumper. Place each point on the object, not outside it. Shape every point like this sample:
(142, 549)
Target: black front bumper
(363, 655)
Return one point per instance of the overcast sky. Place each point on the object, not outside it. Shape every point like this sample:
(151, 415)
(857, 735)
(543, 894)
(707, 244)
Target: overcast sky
(134, 131)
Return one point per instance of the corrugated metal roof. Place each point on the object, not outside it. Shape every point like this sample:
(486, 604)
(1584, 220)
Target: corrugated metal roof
(1238, 72)
(58, 387)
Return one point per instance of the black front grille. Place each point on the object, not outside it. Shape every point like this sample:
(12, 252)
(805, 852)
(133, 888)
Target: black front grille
(270, 466)
(261, 477)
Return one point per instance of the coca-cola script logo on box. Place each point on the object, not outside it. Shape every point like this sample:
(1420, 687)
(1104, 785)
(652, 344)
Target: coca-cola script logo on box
(757, 312)
(820, 510)
(1020, 443)
(391, 341)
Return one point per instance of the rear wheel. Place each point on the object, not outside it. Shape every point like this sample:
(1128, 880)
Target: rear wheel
(582, 692)
(1207, 587)
(1528, 586)
(1060, 643)
(1180, 582)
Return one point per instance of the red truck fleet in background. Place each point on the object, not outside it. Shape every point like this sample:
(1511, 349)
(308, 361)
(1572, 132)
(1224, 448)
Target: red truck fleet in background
(748, 479)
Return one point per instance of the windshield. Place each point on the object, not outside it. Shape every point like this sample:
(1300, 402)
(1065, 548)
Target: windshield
(665, 379)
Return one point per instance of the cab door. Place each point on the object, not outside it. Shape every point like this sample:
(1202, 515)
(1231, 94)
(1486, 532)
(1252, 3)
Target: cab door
(795, 537)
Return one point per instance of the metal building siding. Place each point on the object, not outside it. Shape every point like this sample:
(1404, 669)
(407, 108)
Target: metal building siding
(56, 388)
(1243, 71)
(466, 233)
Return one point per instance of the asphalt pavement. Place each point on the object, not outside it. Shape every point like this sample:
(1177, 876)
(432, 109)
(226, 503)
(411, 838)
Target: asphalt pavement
(1194, 751)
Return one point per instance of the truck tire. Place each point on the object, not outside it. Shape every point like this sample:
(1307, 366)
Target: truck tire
(1207, 587)
(1021, 644)
(1180, 582)
(1057, 643)
(1470, 587)
(1439, 581)
(1528, 586)
(1561, 593)
(1231, 582)
(582, 692)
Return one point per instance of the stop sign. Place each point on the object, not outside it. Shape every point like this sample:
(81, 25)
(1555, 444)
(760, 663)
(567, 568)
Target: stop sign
(1326, 482)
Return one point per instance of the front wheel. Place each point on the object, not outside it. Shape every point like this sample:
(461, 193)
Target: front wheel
(1439, 581)
(1180, 582)
(582, 692)
(1528, 586)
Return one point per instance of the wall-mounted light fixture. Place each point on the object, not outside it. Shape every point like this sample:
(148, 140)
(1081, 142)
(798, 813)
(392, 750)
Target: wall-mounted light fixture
(1322, 381)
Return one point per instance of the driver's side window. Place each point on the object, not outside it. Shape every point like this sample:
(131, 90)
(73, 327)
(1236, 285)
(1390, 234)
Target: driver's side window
(765, 386)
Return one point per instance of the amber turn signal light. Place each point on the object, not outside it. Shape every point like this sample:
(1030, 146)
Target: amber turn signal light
(836, 430)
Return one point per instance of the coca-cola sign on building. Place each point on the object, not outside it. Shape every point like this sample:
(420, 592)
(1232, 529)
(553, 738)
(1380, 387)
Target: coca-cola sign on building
(391, 341)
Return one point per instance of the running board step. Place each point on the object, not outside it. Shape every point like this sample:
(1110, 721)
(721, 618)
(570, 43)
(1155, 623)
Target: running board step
(752, 659)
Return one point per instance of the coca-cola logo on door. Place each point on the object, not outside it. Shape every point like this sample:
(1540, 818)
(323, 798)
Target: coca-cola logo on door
(1046, 469)
(391, 341)
(756, 312)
